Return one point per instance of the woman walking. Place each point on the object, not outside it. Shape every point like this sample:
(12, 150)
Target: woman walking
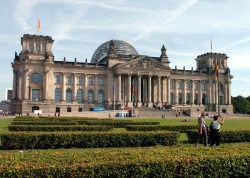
(202, 130)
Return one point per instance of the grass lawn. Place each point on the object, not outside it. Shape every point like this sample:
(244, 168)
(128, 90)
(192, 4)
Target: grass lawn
(230, 124)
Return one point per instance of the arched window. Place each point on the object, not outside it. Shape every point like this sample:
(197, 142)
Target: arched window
(179, 85)
(171, 98)
(68, 96)
(187, 98)
(44, 48)
(179, 98)
(31, 47)
(220, 87)
(36, 78)
(90, 96)
(37, 47)
(195, 98)
(203, 99)
(57, 95)
(100, 96)
(79, 96)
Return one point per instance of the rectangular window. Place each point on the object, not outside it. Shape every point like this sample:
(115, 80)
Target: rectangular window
(196, 87)
(37, 47)
(80, 80)
(91, 81)
(101, 81)
(171, 85)
(79, 109)
(221, 100)
(31, 47)
(203, 86)
(188, 86)
(44, 48)
(58, 79)
(68, 109)
(35, 95)
(179, 85)
(69, 80)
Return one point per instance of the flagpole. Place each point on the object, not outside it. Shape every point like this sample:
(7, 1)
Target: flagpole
(218, 90)
(123, 98)
(114, 97)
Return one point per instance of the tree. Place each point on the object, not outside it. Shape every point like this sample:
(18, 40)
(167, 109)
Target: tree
(241, 104)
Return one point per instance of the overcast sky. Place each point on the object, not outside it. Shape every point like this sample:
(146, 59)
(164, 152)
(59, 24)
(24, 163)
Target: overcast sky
(185, 27)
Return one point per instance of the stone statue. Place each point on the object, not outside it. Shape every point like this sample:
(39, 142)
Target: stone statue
(16, 56)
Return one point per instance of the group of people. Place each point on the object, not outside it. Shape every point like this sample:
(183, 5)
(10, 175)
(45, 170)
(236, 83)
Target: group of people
(214, 130)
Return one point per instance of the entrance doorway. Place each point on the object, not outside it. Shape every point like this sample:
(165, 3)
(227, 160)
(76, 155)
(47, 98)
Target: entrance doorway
(57, 109)
(35, 108)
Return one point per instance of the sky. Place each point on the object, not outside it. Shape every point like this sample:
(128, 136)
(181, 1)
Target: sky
(185, 27)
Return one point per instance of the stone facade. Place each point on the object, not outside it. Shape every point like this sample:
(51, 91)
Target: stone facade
(40, 82)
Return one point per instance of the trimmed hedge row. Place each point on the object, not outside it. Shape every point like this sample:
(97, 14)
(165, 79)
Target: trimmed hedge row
(177, 128)
(52, 128)
(119, 124)
(36, 140)
(160, 162)
(64, 118)
(44, 123)
(226, 136)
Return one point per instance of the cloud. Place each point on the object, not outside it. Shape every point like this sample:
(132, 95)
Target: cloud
(242, 79)
(237, 43)
(23, 12)
(159, 21)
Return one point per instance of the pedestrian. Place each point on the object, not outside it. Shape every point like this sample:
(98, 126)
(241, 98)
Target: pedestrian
(202, 130)
(215, 131)
(109, 116)
(176, 115)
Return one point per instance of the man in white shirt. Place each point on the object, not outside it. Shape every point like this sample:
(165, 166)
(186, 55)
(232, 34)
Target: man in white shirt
(215, 131)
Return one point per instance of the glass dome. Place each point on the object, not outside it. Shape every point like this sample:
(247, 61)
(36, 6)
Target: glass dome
(121, 47)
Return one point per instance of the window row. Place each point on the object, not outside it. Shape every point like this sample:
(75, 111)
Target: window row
(79, 96)
(188, 100)
(188, 86)
(79, 80)
(31, 47)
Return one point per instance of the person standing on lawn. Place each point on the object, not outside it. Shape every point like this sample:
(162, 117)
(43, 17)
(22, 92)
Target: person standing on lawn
(215, 131)
(202, 130)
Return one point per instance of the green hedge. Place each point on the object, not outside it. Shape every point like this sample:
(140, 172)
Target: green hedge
(177, 128)
(226, 136)
(52, 128)
(119, 123)
(159, 162)
(36, 140)
(44, 123)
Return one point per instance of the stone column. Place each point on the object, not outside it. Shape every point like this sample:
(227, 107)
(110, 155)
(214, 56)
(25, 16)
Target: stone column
(164, 90)
(226, 93)
(63, 92)
(34, 47)
(129, 91)
(74, 88)
(25, 82)
(14, 91)
(19, 88)
(192, 92)
(229, 92)
(184, 92)
(139, 104)
(176, 92)
(96, 89)
(150, 104)
(168, 90)
(119, 88)
(200, 93)
(41, 47)
(159, 91)
(85, 100)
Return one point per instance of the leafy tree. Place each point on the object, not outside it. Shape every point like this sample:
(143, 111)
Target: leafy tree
(241, 104)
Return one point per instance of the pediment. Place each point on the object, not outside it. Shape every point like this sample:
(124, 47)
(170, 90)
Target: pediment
(144, 62)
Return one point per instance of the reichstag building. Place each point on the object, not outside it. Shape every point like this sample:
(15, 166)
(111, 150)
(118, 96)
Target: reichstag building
(117, 76)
